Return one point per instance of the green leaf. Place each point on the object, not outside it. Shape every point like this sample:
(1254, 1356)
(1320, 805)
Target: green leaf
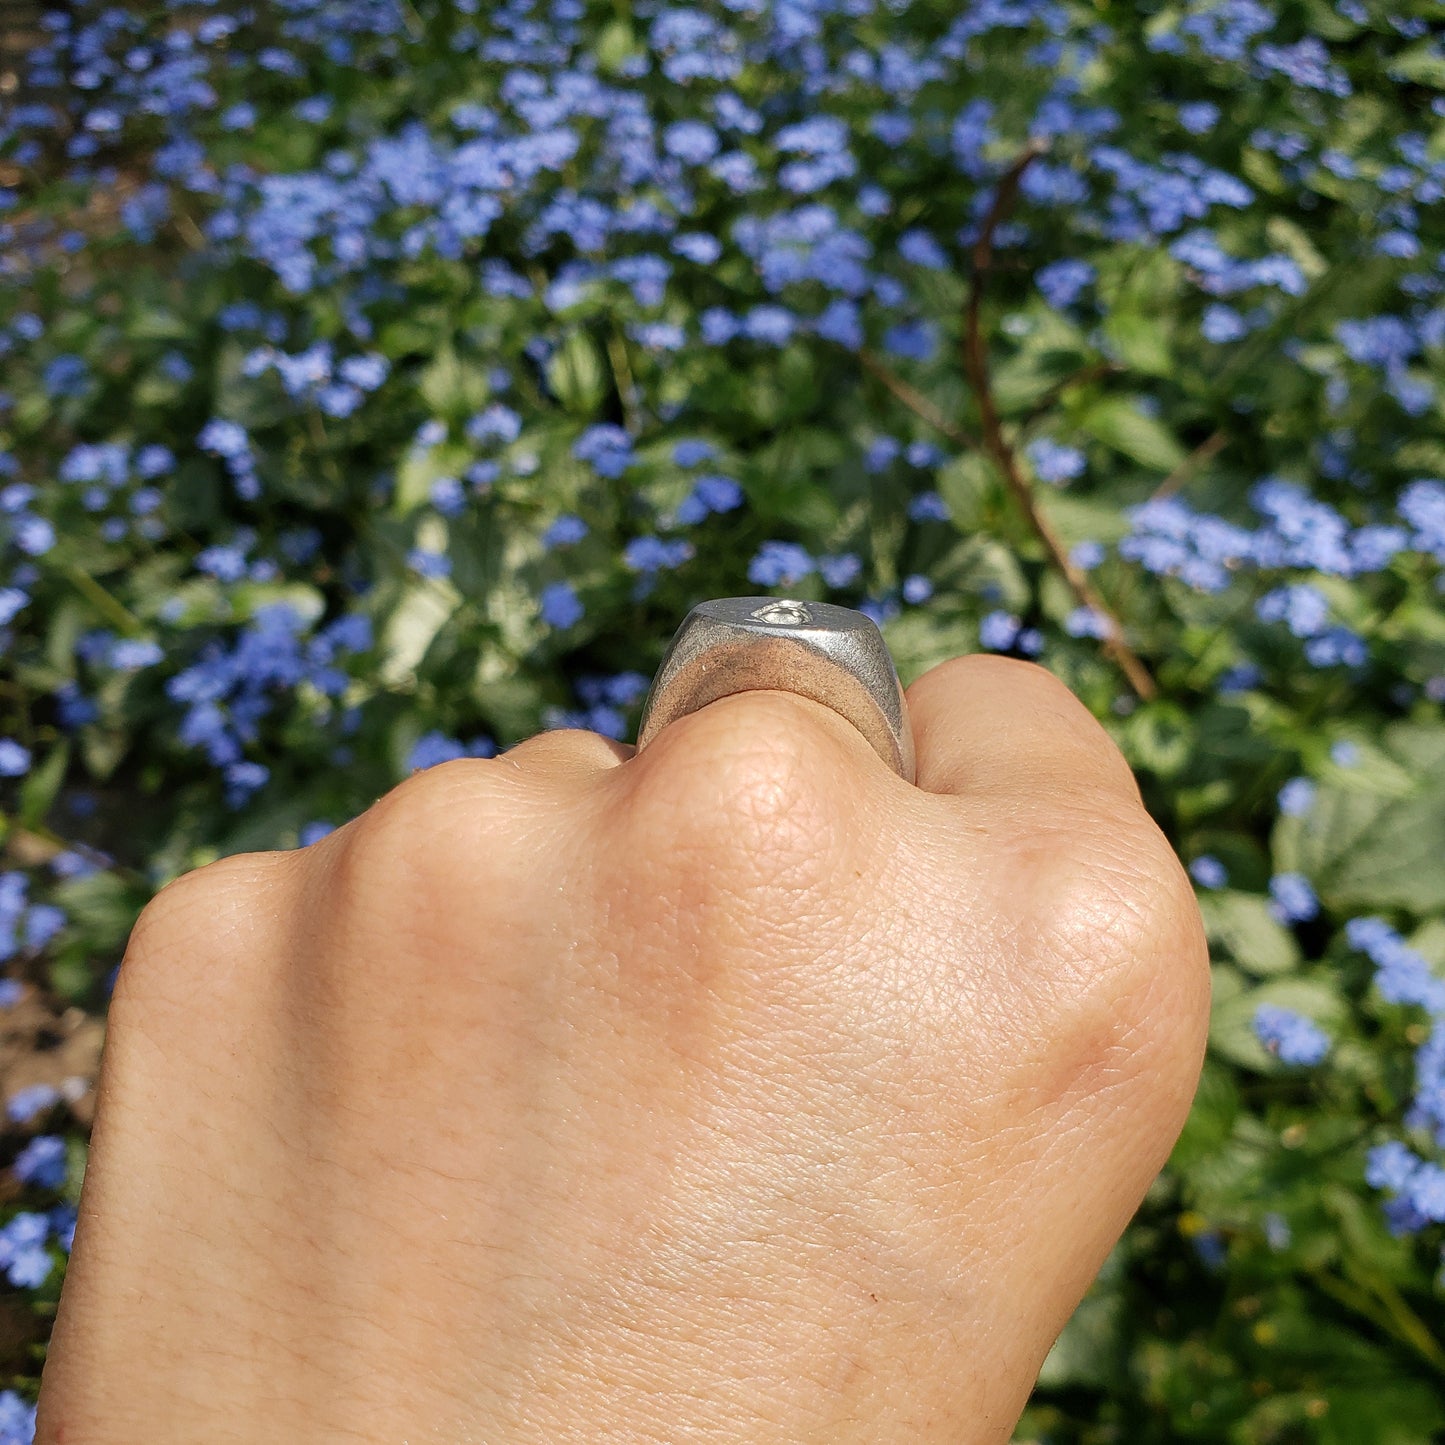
(965, 484)
(248, 598)
(1242, 925)
(38, 791)
(1140, 341)
(1377, 849)
(1159, 738)
(921, 639)
(1084, 519)
(614, 46)
(1423, 64)
(1387, 1412)
(1211, 1119)
(577, 375)
(452, 387)
(1087, 1351)
(422, 613)
(1144, 439)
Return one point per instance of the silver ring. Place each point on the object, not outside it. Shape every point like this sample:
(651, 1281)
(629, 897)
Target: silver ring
(832, 654)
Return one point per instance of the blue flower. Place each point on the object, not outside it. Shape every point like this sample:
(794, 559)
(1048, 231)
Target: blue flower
(1303, 608)
(243, 778)
(913, 340)
(919, 248)
(780, 564)
(772, 325)
(42, 1162)
(433, 748)
(1208, 872)
(1422, 505)
(24, 1104)
(928, 507)
(34, 535)
(1293, 1038)
(12, 600)
(65, 376)
(1198, 117)
(241, 116)
(1063, 282)
(691, 141)
(1391, 1166)
(23, 1256)
(606, 448)
(840, 571)
(1292, 899)
(654, 554)
(916, 589)
(131, 654)
(710, 494)
(559, 606)
(14, 759)
(842, 323)
(692, 452)
(1386, 342)
(225, 563)
(225, 438)
(1296, 797)
(698, 247)
(497, 423)
(426, 563)
(42, 923)
(565, 531)
(448, 496)
(998, 631)
(1055, 463)
(1222, 324)
(1088, 622)
(17, 1419)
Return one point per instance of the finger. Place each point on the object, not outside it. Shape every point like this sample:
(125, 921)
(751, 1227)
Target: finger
(987, 724)
(744, 721)
(566, 753)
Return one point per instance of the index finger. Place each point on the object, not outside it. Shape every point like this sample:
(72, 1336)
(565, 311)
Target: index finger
(985, 724)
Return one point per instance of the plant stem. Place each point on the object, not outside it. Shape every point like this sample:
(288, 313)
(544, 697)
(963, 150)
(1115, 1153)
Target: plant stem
(1205, 452)
(975, 362)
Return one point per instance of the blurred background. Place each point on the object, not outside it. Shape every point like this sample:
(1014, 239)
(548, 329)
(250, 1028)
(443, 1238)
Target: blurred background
(381, 381)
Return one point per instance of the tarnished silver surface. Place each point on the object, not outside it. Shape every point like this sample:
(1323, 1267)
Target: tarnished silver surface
(832, 654)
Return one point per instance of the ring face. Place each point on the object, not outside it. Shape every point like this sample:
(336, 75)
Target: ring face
(833, 655)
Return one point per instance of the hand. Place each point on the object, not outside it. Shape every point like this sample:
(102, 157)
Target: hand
(735, 1091)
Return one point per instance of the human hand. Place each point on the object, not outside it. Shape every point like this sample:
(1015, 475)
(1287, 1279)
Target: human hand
(733, 1091)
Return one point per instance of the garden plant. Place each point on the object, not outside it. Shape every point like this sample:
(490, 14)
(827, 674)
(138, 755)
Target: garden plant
(382, 380)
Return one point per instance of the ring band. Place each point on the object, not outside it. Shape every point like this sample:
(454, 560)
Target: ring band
(831, 654)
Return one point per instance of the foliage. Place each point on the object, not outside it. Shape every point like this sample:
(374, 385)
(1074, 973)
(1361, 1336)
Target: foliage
(382, 381)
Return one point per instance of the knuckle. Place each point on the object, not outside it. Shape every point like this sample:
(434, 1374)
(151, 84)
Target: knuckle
(441, 848)
(751, 782)
(422, 820)
(210, 914)
(1119, 959)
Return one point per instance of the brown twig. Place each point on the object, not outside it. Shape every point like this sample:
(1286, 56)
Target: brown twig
(975, 362)
(916, 402)
(1206, 451)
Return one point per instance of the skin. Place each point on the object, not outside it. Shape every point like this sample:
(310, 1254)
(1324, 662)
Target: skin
(734, 1091)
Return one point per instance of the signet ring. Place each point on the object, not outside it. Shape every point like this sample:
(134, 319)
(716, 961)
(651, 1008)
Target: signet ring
(833, 655)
